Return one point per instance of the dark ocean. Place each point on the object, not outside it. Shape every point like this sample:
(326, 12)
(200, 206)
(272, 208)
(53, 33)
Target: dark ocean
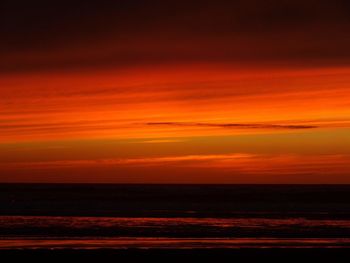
(77, 216)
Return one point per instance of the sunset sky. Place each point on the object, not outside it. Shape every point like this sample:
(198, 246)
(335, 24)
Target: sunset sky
(175, 91)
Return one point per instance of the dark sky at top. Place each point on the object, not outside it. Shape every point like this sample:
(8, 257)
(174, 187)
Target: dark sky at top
(71, 34)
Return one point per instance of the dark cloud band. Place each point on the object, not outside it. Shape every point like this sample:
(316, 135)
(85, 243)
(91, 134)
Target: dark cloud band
(234, 125)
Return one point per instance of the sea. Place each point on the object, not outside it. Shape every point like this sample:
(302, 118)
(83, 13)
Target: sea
(115, 216)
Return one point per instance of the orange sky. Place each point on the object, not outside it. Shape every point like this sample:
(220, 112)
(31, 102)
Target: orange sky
(177, 92)
(177, 124)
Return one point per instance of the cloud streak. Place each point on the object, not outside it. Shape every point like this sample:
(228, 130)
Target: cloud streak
(236, 125)
(152, 161)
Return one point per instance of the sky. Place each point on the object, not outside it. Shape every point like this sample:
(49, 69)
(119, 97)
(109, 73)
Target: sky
(175, 92)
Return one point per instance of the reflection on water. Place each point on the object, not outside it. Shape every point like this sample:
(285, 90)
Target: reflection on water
(172, 243)
(87, 222)
(109, 232)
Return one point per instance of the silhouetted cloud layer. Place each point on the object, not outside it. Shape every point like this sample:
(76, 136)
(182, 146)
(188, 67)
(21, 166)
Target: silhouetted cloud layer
(41, 35)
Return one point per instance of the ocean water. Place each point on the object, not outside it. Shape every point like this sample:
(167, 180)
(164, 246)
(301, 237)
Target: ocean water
(173, 216)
